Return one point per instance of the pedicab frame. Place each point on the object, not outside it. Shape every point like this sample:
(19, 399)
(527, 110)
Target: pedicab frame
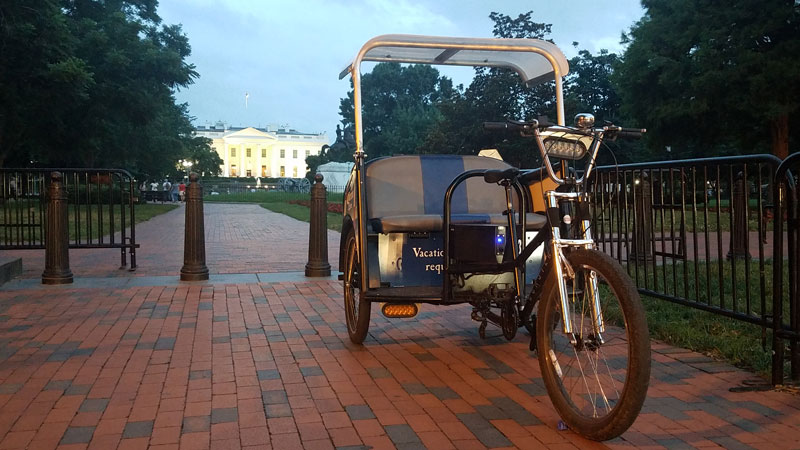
(535, 60)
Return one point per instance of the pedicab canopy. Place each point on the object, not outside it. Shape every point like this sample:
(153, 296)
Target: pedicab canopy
(534, 60)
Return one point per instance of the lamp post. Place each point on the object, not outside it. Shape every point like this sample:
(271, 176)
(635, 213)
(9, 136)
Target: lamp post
(187, 166)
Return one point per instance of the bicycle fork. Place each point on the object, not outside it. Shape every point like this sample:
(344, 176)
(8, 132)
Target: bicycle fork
(560, 263)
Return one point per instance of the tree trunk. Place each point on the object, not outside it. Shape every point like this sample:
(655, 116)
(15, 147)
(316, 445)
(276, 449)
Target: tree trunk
(779, 130)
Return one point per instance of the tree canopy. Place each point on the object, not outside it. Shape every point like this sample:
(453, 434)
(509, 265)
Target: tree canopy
(87, 83)
(706, 77)
(398, 106)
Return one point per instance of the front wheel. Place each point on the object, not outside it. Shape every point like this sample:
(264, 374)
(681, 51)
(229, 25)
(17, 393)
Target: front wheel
(356, 309)
(597, 383)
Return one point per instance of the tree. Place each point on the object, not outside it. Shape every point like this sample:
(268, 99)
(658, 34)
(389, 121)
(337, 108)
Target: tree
(398, 106)
(704, 76)
(588, 87)
(102, 88)
(495, 95)
(40, 78)
(205, 161)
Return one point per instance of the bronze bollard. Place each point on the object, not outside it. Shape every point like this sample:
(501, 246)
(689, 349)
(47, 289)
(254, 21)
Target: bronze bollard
(740, 231)
(194, 243)
(318, 232)
(56, 244)
(643, 220)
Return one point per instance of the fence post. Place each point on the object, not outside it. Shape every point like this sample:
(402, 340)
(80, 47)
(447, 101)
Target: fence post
(739, 233)
(643, 218)
(194, 243)
(318, 232)
(56, 244)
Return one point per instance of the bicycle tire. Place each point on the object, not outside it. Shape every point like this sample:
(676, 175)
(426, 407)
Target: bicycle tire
(356, 309)
(595, 406)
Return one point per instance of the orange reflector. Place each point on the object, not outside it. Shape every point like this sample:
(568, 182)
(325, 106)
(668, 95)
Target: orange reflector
(395, 310)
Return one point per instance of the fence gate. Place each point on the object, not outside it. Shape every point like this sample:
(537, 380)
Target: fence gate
(101, 209)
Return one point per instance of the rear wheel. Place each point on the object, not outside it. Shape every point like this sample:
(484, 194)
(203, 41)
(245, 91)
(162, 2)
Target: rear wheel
(596, 383)
(356, 309)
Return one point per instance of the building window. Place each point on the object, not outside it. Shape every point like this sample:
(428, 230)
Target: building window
(283, 153)
(263, 171)
(308, 153)
(263, 153)
(248, 152)
(294, 172)
(249, 173)
(233, 170)
(283, 171)
(233, 152)
(294, 154)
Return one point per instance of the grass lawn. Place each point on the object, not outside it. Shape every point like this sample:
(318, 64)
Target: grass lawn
(265, 197)
(735, 341)
(147, 211)
(303, 213)
(720, 337)
(85, 220)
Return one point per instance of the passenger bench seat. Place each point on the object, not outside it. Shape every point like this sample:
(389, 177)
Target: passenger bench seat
(406, 193)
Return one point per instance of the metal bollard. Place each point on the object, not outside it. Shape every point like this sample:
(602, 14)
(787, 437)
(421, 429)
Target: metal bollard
(194, 243)
(318, 232)
(643, 219)
(56, 245)
(739, 233)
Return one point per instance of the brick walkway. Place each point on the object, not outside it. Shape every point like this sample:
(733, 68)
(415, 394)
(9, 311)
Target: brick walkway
(269, 365)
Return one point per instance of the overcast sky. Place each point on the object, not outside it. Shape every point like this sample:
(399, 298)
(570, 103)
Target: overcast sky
(287, 54)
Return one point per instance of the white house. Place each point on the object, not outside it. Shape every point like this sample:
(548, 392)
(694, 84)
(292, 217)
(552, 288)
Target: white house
(262, 152)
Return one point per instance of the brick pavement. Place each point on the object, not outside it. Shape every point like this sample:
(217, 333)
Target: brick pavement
(269, 365)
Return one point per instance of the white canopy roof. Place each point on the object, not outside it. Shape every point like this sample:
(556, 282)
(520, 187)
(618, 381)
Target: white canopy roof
(535, 60)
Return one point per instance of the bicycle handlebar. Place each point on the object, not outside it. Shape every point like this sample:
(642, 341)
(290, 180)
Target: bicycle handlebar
(532, 129)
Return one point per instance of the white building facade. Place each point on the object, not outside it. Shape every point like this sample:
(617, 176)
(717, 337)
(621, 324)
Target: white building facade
(262, 152)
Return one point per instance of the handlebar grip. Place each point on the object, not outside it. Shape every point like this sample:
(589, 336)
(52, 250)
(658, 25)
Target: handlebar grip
(631, 133)
(497, 126)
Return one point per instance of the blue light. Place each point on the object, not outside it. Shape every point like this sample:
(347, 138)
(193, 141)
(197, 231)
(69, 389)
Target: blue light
(499, 239)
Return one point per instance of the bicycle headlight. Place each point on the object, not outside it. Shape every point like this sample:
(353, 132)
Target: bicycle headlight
(565, 145)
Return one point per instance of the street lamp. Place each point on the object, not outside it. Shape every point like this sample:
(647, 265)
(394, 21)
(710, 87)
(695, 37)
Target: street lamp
(187, 165)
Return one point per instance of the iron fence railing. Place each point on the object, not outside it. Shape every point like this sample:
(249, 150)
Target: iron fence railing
(786, 282)
(706, 233)
(100, 209)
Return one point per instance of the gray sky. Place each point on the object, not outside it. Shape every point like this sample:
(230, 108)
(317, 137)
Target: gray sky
(288, 54)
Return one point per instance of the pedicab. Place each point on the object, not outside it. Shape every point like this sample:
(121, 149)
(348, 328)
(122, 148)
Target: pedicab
(514, 244)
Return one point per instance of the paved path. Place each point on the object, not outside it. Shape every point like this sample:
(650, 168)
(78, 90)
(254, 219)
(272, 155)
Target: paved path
(240, 238)
(266, 364)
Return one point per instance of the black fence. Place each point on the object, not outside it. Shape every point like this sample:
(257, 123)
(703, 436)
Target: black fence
(706, 233)
(101, 209)
(787, 281)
